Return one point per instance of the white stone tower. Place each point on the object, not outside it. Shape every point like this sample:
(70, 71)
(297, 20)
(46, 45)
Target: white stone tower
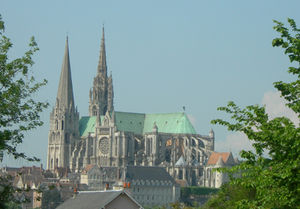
(63, 120)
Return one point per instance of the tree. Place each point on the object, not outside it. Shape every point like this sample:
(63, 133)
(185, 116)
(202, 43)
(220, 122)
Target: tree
(228, 196)
(51, 198)
(19, 112)
(275, 178)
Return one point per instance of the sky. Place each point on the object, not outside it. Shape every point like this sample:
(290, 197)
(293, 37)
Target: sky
(163, 55)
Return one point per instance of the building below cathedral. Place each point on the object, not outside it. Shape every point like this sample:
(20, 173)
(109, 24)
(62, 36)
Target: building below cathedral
(109, 138)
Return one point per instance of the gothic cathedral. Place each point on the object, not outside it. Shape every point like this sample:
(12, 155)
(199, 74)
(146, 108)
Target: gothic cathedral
(109, 138)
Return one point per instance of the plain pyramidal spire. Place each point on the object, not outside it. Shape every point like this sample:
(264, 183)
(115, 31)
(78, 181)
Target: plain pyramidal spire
(65, 89)
(102, 68)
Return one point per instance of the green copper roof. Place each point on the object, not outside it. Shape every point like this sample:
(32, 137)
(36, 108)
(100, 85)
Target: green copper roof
(175, 123)
(86, 125)
(139, 123)
(130, 122)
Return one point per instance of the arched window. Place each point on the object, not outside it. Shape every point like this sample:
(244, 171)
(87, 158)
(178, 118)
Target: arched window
(94, 111)
(180, 174)
(56, 162)
(193, 142)
(51, 164)
(56, 125)
(201, 144)
(66, 139)
(62, 125)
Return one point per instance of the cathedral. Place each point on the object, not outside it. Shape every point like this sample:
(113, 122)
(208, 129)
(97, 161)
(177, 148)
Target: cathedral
(111, 138)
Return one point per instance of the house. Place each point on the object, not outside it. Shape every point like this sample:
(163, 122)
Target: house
(218, 160)
(150, 186)
(98, 178)
(111, 199)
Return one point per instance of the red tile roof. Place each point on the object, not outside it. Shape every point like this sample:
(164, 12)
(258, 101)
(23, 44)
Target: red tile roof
(214, 157)
(182, 183)
(88, 167)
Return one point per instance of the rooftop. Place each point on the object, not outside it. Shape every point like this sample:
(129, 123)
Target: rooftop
(93, 199)
(140, 123)
(226, 157)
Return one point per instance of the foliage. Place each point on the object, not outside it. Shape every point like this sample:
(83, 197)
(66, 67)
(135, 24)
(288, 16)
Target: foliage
(10, 196)
(176, 205)
(194, 190)
(19, 113)
(12, 205)
(51, 199)
(228, 195)
(276, 178)
(187, 194)
(6, 190)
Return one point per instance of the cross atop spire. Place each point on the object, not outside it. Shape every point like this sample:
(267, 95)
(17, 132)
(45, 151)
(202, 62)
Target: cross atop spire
(102, 67)
(65, 96)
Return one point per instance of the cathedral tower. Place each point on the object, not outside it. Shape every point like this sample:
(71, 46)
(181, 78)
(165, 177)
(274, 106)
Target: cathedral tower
(101, 94)
(63, 119)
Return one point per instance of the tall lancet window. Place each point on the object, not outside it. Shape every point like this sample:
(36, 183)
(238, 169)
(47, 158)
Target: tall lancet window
(94, 111)
(62, 125)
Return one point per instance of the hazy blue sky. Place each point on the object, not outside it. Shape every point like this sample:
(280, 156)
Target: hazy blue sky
(163, 55)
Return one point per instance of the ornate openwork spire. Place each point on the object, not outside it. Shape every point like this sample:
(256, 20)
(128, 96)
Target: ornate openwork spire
(101, 94)
(102, 67)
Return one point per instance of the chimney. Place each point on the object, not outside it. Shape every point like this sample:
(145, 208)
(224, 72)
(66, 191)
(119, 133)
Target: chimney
(75, 193)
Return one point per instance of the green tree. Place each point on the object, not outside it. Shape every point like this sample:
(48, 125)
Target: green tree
(51, 199)
(19, 112)
(228, 196)
(276, 178)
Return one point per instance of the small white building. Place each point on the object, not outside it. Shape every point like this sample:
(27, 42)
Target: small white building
(218, 160)
(98, 178)
(90, 176)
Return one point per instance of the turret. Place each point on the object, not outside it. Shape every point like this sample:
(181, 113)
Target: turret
(110, 94)
(211, 133)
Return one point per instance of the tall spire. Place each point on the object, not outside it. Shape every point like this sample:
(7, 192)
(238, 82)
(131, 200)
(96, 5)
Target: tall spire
(101, 95)
(102, 67)
(65, 96)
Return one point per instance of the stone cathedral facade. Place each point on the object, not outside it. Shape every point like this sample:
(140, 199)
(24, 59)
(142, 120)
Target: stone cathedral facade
(110, 138)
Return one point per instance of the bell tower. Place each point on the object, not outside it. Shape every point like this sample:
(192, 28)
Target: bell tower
(101, 94)
(63, 119)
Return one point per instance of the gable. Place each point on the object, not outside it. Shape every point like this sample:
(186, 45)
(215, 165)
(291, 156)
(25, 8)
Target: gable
(90, 200)
(226, 157)
(100, 199)
(122, 202)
